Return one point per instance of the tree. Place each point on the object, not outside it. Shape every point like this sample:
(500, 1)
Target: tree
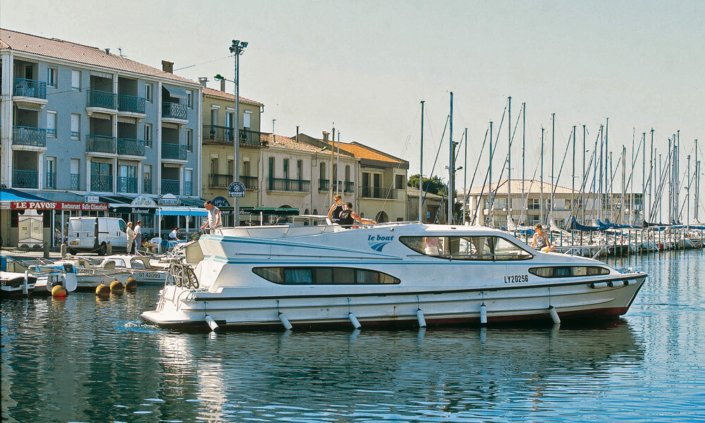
(436, 185)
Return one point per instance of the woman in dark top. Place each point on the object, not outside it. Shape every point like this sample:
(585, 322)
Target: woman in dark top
(348, 217)
(336, 209)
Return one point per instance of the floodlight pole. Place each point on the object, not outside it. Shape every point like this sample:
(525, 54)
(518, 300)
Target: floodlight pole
(237, 48)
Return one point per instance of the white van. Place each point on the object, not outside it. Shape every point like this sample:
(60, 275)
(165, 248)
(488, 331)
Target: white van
(92, 234)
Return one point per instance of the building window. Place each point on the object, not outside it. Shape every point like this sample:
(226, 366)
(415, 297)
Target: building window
(534, 204)
(214, 166)
(148, 92)
(75, 174)
(75, 126)
(147, 183)
(189, 99)
(76, 79)
(231, 169)
(52, 76)
(148, 134)
(286, 168)
(399, 181)
(51, 173)
(189, 140)
(347, 173)
(51, 124)
(188, 182)
(247, 120)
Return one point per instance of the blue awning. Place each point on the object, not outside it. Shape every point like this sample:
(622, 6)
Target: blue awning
(176, 92)
(182, 211)
(10, 195)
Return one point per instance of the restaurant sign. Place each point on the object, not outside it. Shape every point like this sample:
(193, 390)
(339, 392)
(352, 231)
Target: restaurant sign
(53, 205)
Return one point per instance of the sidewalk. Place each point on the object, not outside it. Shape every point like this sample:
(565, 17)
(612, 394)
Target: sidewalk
(20, 254)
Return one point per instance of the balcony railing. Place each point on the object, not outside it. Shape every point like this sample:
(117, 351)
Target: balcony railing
(102, 99)
(379, 192)
(101, 183)
(50, 180)
(130, 147)
(100, 144)
(147, 186)
(75, 135)
(218, 134)
(170, 186)
(75, 181)
(250, 182)
(219, 181)
(349, 186)
(25, 178)
(293, 185)
(23, 135)
(173, 110)
(128, 185)
(188, 188)
(323, 184)
(29, 88)
(173, 151)
(131, 103)
(250, 138)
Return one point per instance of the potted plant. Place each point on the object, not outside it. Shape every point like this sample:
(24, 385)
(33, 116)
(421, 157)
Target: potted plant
(148, 246)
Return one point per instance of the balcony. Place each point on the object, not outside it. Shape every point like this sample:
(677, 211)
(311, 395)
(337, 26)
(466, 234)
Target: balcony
(147, 186)
(379, 192)
(130, 104)
(219, 181)
(214, 134)
(250, 182)
(102, 183)
(170, 186)
(173, 151)
(50, 182)
(130, 147)
(100, 144)
(25, 179)
(127, 185)
(75, 181)
(250, 138)
(323, 184)
(349, 186)
(33, 137)
(101, 102)
(174, 112)
(30, 88)
(289, 185)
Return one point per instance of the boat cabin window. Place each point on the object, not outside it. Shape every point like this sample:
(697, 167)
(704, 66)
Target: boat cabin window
(137, 264)
(568, 271)
(119, 263)
(324, 276)
(466, 247)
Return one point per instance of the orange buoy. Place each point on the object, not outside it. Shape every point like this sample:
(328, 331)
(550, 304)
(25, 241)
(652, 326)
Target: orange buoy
(58, 291)
(131, 285)
(102, 290)
(116, 287)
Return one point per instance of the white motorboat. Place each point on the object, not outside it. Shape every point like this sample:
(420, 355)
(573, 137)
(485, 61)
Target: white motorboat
(52, 274)
(139, 267)
(396, 274)
(89, 276)
(16, 285)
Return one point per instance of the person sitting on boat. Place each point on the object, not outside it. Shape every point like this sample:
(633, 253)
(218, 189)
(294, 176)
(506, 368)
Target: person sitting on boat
(541, 241)
(213, 221)
(348, 217)
(336, 209)
(174, 235)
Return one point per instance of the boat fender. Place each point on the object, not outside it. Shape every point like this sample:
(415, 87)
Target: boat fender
(212, 324)
(285, 321)
(598, 285)
(58, 291)
(554, 315)
(422, 321)
(355, 322)
(483, 314)
(627, 283)
(102, 290)
(25, 290)
(615, 284)
(116, 287)
(131, 285)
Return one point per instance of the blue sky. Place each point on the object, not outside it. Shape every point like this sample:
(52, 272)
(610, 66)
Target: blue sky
(366, 65)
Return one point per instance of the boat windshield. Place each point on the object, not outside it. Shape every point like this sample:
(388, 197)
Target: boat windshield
(466, 247)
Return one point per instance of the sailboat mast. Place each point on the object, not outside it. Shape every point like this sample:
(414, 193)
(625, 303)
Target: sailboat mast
(541, 192)
(465, 175)
(643, 175)
(509, 162)
(688, 195)
(572, 190)
(523, 159)
(490, 195)
(421, 167)
(624, 176)
(451, 166)
(697, 183)
(553, 157)
(584, 174)
(651, 171)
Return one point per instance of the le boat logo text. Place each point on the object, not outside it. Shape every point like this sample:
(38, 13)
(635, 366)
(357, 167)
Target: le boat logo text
(378, 242)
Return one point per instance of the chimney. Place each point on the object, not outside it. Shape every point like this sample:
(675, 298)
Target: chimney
(203, 81)
(222, 85)
(107, 51)
(297, 133)
(325, 136)
(167, 66)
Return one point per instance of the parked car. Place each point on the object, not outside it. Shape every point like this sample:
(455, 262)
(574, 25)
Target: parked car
(92, 234)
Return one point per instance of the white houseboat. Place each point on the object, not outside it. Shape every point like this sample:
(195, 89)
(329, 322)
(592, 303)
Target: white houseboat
(396, 274)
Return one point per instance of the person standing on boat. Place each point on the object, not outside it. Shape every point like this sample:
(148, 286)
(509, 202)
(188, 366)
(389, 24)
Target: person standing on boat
(336, 209)
(541, 241)
(130, 237)
(348, 217)
(138, 236)
(213, 221)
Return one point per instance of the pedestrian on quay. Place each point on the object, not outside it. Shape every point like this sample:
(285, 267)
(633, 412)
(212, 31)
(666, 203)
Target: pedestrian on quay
(138, 237)
(130, 238)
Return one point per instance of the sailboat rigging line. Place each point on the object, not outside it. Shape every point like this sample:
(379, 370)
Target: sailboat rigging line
(472, 182)
(428, 186)
(482, 191)
(631, 173)
(506, 160)
(659, 189)
(581, 193)
(555, 185)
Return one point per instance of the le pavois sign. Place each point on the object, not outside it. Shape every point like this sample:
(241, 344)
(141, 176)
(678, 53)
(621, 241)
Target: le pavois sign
(51, 205)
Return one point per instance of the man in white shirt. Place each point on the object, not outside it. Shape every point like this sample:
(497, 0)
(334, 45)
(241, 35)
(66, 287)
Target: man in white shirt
(174, 235)
(213, 221)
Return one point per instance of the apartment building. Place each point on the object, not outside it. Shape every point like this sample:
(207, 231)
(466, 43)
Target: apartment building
(83, 125)
(218, 155)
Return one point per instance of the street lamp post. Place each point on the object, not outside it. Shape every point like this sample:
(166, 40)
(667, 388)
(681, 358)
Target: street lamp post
(237, 48)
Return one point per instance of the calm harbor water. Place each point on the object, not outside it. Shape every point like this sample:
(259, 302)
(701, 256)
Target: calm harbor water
(86, 360)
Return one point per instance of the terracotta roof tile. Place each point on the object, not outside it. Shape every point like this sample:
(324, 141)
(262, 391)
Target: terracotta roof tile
(286, 142)
(220, 94)
(60, 49)
(365, 152)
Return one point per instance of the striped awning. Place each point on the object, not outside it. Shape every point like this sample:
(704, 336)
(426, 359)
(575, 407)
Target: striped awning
(176, 92)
